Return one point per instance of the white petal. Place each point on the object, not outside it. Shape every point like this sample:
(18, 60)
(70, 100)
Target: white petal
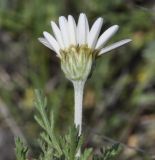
(57, 34)
(64, 30)
(106, 36)
(81, 29)
(94, 33)
(52, 42)
(45, 42)
(72, 30)
(115, 45)
(87, 29)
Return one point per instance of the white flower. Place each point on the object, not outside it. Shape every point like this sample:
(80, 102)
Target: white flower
(78, 45)
(68, 33)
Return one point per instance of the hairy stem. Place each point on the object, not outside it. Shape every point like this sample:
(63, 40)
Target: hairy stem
(78, 100)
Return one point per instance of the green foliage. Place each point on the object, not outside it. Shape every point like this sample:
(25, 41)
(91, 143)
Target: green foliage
(21, 150)
(55, 146)
(52, 145)
(48, 125)
(109, 153)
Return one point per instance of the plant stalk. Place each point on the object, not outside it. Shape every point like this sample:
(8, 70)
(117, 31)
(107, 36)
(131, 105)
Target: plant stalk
(78, 101)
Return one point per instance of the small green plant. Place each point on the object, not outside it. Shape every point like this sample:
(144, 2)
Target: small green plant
(109, 153)
(55, 146)
(21, 150)
(77, 47)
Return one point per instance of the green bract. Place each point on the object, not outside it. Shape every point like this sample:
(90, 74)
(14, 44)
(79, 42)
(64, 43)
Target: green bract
(76, 62)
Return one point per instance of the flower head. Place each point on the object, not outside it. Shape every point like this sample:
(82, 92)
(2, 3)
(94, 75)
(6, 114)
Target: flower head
(78, 45)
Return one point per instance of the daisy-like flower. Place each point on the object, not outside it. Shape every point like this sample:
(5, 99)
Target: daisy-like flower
(77, 46)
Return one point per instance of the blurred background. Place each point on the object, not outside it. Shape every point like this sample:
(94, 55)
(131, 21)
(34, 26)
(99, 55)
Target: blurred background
(119, 100)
